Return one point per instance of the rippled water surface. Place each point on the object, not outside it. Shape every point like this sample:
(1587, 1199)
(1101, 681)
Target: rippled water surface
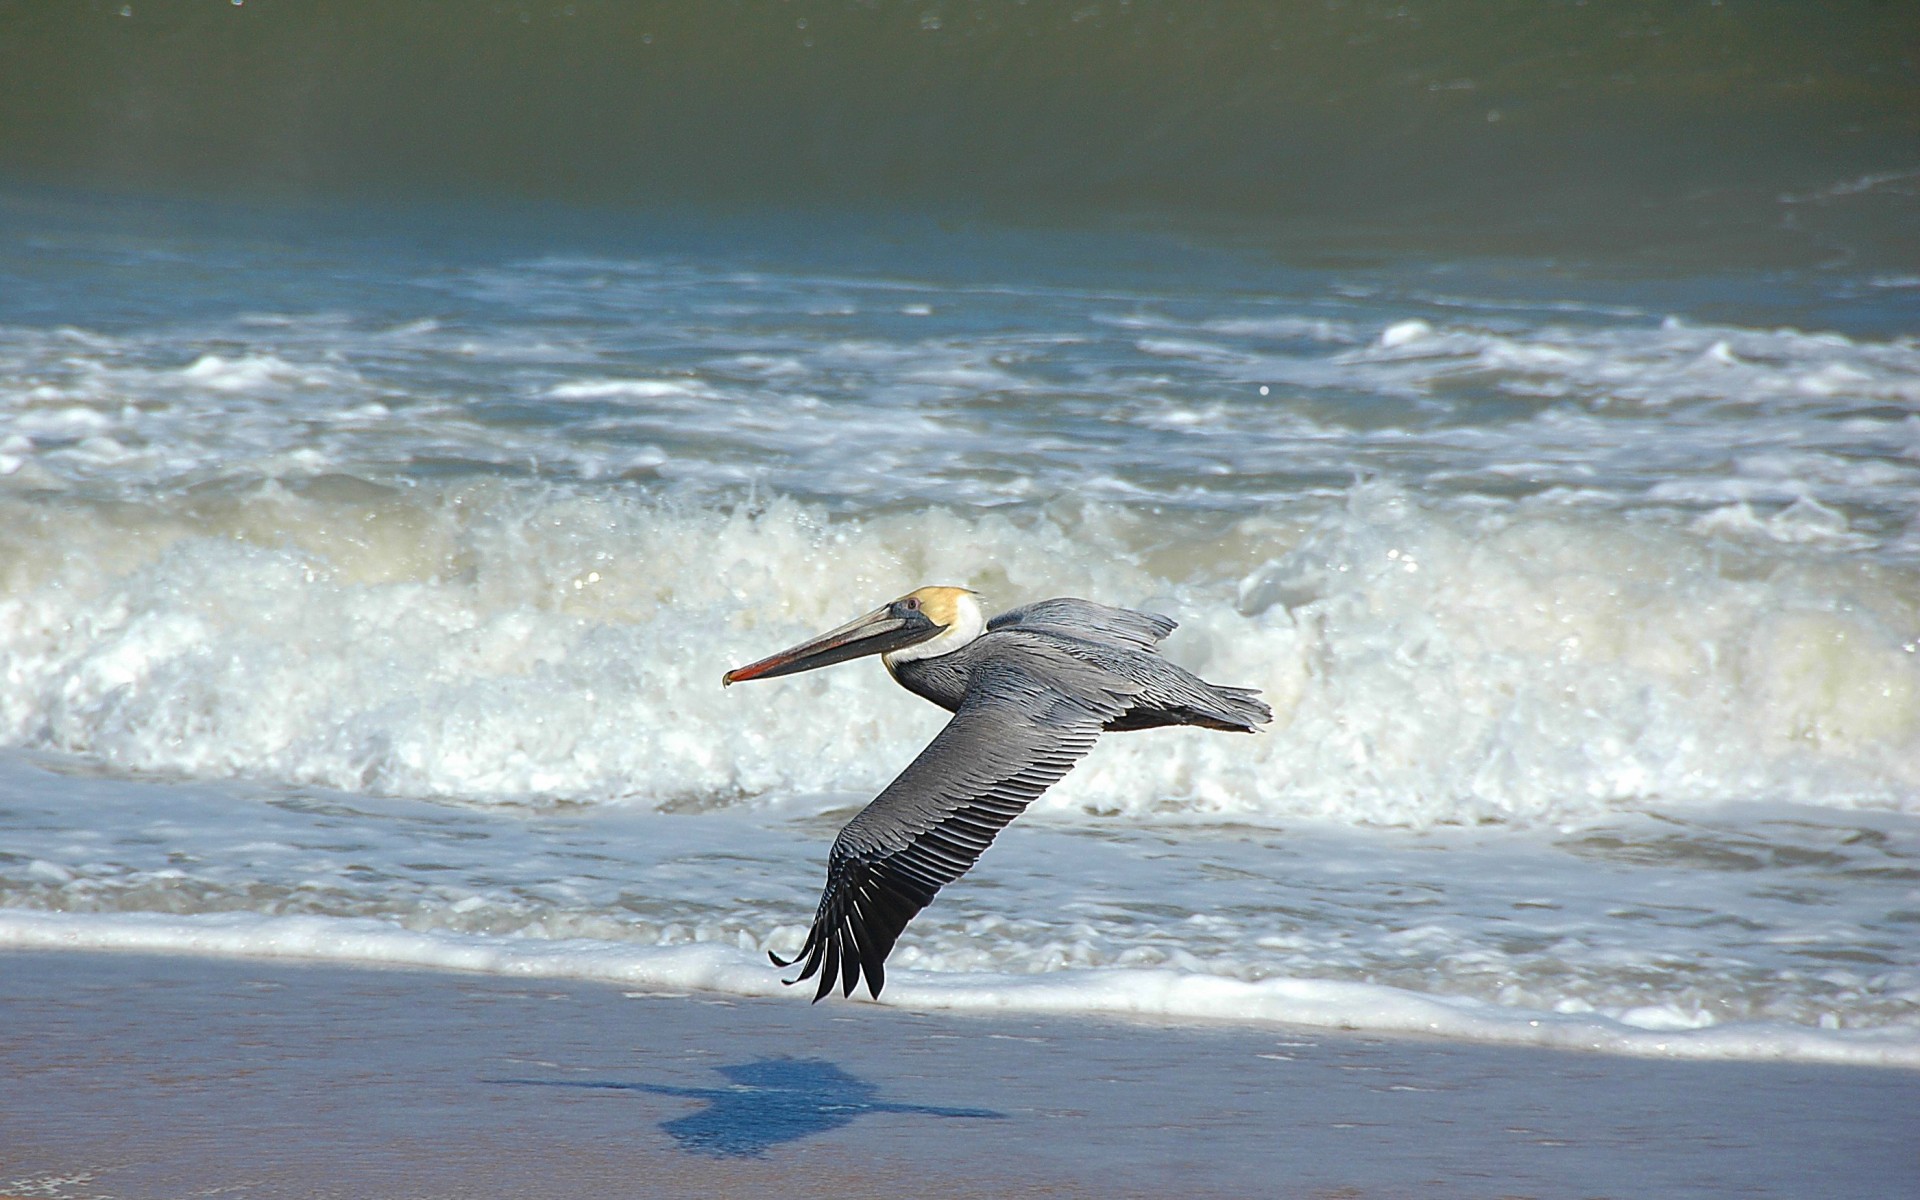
(368, 584)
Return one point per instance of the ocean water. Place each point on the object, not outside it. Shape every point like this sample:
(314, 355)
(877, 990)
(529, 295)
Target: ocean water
(386, 622)
(371, 551)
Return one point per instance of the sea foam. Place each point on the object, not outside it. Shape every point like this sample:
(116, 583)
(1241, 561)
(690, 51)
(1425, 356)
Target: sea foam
(514, 643)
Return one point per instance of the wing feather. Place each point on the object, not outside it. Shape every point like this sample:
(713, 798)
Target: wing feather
(1072, 617)
(1032, 711)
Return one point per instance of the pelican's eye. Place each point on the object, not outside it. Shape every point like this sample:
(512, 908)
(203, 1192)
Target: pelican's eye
(912, 603)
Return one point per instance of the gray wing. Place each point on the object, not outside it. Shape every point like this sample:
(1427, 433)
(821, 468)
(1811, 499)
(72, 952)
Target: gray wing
(1072, 617)
(1125, 643)
(1032, 711)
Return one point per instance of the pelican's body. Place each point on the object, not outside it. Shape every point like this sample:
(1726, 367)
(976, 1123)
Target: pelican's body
(1030, 691)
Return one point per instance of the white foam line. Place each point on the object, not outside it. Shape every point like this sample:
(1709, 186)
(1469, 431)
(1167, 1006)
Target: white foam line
(1330, 1004)
(356, 940)
(1375, 1008)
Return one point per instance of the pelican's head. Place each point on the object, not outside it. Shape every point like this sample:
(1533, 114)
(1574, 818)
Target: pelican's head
(923, 623)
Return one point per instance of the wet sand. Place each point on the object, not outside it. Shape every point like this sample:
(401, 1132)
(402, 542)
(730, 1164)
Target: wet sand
(138, 1076)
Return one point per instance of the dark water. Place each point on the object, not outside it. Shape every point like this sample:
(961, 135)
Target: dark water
(1690, 133)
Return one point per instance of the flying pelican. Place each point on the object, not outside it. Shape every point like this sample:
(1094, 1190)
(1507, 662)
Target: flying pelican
(1029, 691)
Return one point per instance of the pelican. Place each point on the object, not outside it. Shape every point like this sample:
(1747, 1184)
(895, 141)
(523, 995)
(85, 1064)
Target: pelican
(1029, 691)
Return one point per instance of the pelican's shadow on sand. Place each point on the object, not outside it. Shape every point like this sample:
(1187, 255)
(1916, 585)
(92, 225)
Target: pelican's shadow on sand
(767, 1102)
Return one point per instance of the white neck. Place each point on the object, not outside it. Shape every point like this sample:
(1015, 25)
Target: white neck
(968, 623)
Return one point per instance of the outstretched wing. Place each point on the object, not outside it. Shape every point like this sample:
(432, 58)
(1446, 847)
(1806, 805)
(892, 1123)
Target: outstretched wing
(1090, 622)
(1032, 711)
(1125, 642)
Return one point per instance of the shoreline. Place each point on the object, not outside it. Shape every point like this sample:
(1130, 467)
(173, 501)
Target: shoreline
(1099, 994)
(150, 1075)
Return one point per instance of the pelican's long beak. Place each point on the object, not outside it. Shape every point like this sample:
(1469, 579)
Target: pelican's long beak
(891, 628)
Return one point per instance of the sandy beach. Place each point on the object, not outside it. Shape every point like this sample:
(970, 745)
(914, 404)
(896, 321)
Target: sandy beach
(143, 1076)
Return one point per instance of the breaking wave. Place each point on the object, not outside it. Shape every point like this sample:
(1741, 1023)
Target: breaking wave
(512, 643)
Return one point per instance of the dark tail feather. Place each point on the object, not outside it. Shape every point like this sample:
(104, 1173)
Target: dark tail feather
(1229, 709)
(1241, 708)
